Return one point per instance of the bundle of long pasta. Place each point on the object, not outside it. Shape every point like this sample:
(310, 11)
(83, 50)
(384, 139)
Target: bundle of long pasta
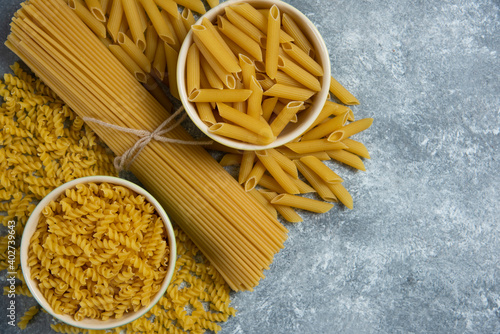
(232, 229)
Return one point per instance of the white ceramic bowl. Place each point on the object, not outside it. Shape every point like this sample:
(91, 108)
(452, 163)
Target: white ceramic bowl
(88, 323)
(292, 131)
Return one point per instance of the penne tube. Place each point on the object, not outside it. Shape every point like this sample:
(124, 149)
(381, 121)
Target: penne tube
(206, 113)
(88, 18)
(221, 43)
(273, 42)
(115, 19)
(255, 175)
(264, 81)
(286, 164)
(244, 25)
(326, 128)
(299, 74)
(347, 158)
(106, 6)
(216, 95)
(161, 27)
(130, 7)
(332, 108)
(151, 42)
(284, 79)
(230, 159)
(194, 5)
(268, 182)
(355, 127)
(123, 25)
(240, 106)
(95, 8)
(175, 43)
(317, 145)
(254, 108)
(303, 203)
(134, 52)
(342, 194)
(240, 38)
(262, 200)
(246, 166)
(238, 133)
(303, 187)
(303, 59)
(277, 172)
(213, 3)
(212, 77)
(284, 117)
(356, 147)
(300, 39)
(318, 167)
(187, 18)
(169, 6)
(294, 156)
(335, 136)
(128, 62)
(225, 76)
(157, 92)
(160, 61)
(289, 92)
(193, 68)
(341, 93)
(258, 19)
(215, 146)
(172, 56)
(179, 28)
(286, 212)
(322, 189)
(247, 70)
(268, 107)
(105, 41)
(248, 122)
(235, 48)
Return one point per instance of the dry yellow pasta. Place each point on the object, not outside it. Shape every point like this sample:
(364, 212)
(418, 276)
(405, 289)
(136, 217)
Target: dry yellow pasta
(156, 18)
(256, 125)
(272, 43)
(318, 167)
(244, 25)
(115, 19)
(341, 93)
(285, 116)
(128, 62)
(289, 92)
(355, 127)
(169, 6)
(303, 203)
(239, 37)
(134, 20)
(86, 16)
(356, 147)
(326, 127)
(322, 189)
(277, 172)
(134, 52)
(303, 59)
(286, 212)
(193, 68)
(216, 95)
(151, 42)
(238, 133)
(347, 158)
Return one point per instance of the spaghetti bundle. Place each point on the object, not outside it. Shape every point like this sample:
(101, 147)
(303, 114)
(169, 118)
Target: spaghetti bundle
(234, 231)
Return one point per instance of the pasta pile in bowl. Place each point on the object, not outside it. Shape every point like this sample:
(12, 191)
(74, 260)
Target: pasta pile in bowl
(98, 252)
(253, 75)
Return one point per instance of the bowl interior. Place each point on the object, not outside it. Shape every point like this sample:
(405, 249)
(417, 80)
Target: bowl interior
(88, 323)
(306, 118)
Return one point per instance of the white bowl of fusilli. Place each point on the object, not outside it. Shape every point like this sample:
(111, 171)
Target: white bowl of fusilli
(98, 252)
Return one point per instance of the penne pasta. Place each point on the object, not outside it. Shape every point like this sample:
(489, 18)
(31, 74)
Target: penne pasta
(157, 92)
(169, 6)
(268, 182)
(341, 93)
(230, 159)
(322, 189)
(187, 18)
(240, 38)
(264, 81)
(347, 158)
(167, 18)
(294, 156)
(238, 133)
(303, 203)
(268, 107)
(289, 92)
(303, 59)
(286, 212)
(318, 167)
(206, 113)
(300, 39)
(317, 145)
(272, 43)
(254, 108)
(213, 3)
(88, 18)
(262, 200)
(161, 27)
(303, 187)
(129, 63)
(133, 14)
(95, 8)
(326, 128)
(244, 25)
(171, 57)
(134, 52)
(247, 70)
(255, 175)
(286, 164)
(194, 5)
(285, 116)
(342, 194)
(160, 61)
(299, 74)
(193, 68)
(246, 166)
(277, 172)
(284, 79)
(151, 42)
(355, 127)
(115, 19)
(216, 95)
(248, 122)
(212, 77)
(356, 147)
(179, 29)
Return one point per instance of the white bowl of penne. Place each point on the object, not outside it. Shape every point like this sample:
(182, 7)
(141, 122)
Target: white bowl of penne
(98, 252)
(253, 74)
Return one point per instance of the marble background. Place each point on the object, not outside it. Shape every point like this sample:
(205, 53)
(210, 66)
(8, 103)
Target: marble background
(420, 251)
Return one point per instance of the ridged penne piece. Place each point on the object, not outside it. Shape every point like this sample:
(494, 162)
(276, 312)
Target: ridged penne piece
(342, 194)
(347, 158)
(88, 18)
(316, 145)
(213, 79)
(169, 6)
(230, 159)
(175, 43)
(321, 187)
(285, 116)
(277, 172)
(194, 5)
(247, 162)
(303, 187)
(160, 61)
(239, 37)
(154, 14)
(213, 3)
(172, 57)
(187, 18)
(206, 113)
(302, 58)
(300, 39)
(179, 29)
(268, 182)
(193, 69)
(356, 147)
(255, 175)
(293, 155)
(289, 92)
(264, 201)
(246, 121)
(273, 43)
(341, 93)
(216, 95)
(303, 203)
(130, 7)
(246, 26)
(264, 81)
(268, 107)
(238, 133)
(299, 74)
(128, 62)
(134, 52)
(285, 79)
(247, 70)
(151, 42)
(95, 8)
(326, 127)
(285, 163)
(115, 19)
(355, 127)
(254, 108)
(318, 167)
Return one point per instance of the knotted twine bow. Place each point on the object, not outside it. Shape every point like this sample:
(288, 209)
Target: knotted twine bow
(124, 161)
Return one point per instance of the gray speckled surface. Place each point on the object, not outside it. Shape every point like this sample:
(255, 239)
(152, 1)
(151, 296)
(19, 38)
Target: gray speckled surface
(420, 251)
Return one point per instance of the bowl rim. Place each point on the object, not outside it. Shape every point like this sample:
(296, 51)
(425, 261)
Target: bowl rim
(319, 99)
(33, 221)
